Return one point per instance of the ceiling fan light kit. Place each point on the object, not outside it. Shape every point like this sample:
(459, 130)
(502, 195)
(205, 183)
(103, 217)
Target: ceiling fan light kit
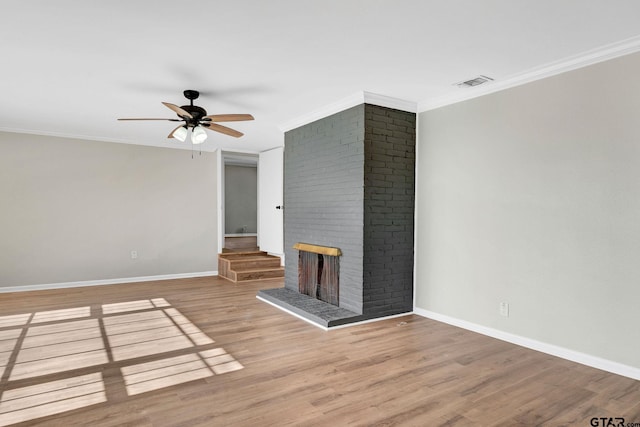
(180, 134)
(196, 118)
(198, 135)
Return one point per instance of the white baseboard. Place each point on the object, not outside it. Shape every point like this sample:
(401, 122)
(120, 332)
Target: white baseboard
(63, 285)
(554, 350)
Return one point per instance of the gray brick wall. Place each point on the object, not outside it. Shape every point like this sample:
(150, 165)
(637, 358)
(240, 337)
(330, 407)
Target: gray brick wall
(323, 196)
(389, 189)
(349, 183)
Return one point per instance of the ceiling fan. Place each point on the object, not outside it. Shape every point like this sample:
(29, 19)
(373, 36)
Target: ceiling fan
(196, 119)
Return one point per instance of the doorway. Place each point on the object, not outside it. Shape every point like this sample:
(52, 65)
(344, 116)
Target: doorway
(269, 206)
(238, 199)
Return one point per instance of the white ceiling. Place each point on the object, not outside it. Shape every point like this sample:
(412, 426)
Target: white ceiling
(71, 67)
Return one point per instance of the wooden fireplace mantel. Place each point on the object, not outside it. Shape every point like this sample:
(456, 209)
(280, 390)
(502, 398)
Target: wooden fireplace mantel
(324, 250)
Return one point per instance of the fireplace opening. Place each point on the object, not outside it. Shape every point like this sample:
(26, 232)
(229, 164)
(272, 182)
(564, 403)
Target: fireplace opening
(320, 267)
(319, 274)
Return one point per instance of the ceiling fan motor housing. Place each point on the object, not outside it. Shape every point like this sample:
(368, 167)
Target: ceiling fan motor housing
(195, 111)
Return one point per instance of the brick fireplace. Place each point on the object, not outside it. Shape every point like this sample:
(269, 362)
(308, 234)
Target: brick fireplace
(349, 184)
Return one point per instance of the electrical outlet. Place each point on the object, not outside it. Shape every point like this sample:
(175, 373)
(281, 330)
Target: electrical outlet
(504, 309)
(134, 254)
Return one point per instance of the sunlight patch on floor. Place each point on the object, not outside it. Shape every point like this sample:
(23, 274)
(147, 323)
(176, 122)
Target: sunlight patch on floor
(15, 320)
(59, 347)
(143, 334)
(8, 341)
(219, 361)
(44, 343)
(123, 307)
(28, 403)
(58, 364)
(188, 328)
(52, 316)
(164, 373)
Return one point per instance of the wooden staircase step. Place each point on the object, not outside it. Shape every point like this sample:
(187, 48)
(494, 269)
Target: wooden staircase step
(253, 263)
(236, 255)
(249, 266)
(231, 250)
(256, 274)
(240, 243)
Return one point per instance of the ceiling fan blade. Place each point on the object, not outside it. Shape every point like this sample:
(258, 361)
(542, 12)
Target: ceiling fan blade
(179, 111)
(223, 129)
(171, 120)
(229, 117)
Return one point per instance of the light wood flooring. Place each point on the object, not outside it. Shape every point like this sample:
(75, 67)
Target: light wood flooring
(228, 359)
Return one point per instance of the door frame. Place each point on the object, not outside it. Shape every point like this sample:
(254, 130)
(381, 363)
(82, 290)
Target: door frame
(224, 157)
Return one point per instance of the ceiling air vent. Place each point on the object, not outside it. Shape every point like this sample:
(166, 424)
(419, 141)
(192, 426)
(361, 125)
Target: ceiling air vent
(475, 81)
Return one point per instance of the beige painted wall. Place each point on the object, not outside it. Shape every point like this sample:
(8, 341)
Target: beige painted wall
(73, 210)
(532, 196)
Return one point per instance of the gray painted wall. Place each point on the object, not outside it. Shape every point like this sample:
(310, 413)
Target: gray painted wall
(323, 196)
(532, 196)
(240, 199)
(73, 210)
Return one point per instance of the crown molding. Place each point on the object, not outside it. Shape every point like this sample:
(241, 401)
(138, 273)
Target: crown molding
(357, 98)
(590, 57)
(390, 102)
(62, 135)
